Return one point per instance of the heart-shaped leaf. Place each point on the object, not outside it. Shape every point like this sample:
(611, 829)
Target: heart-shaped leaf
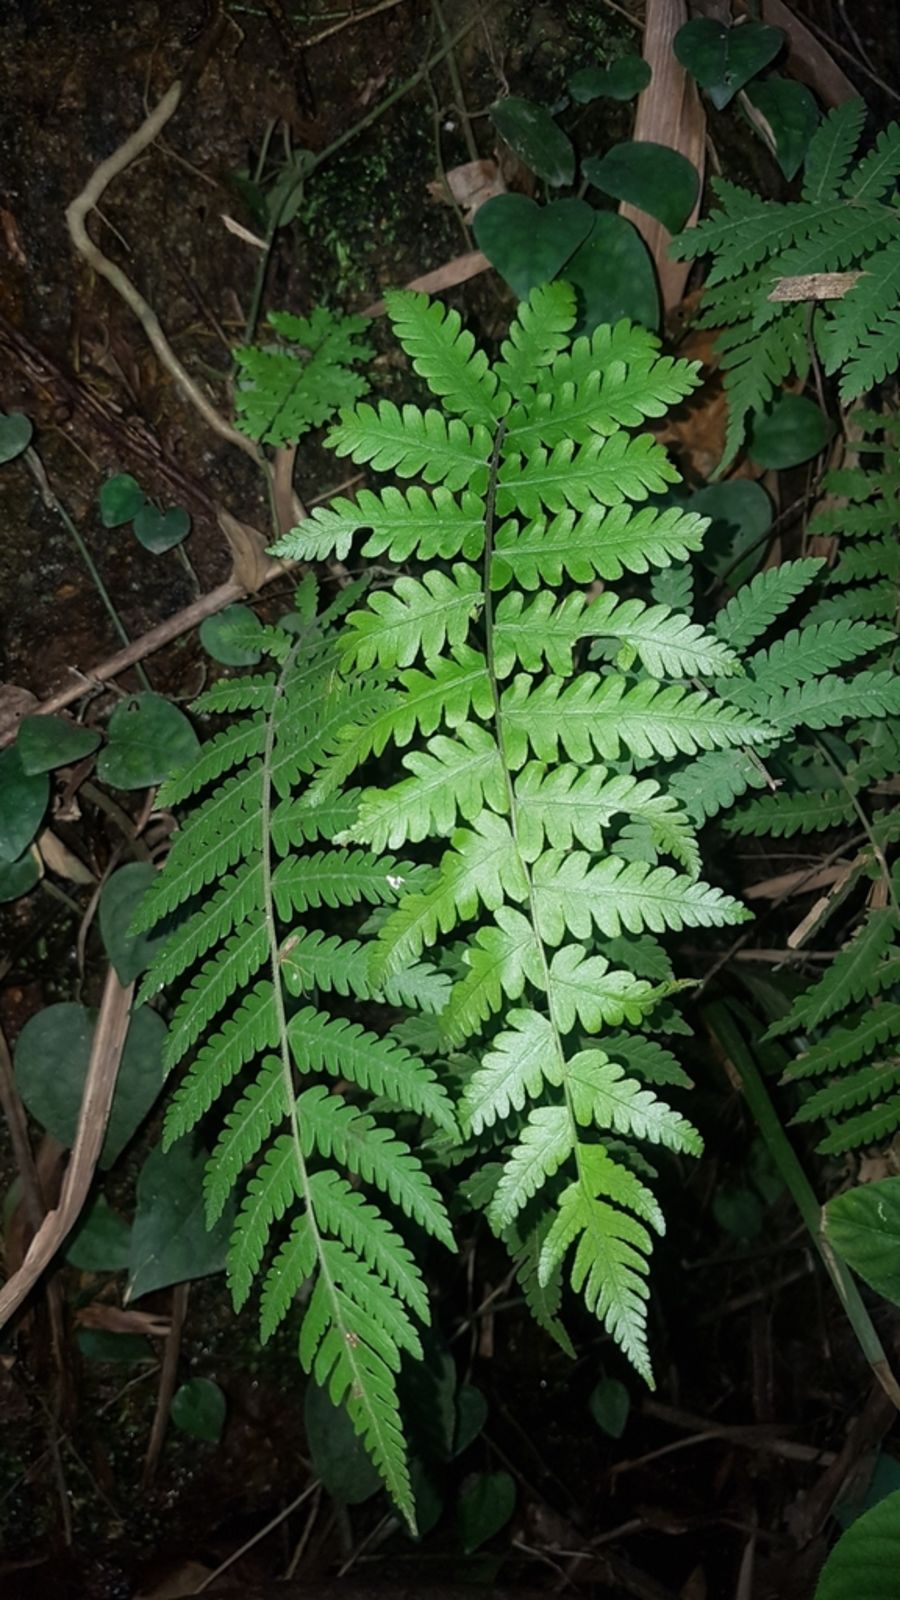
(51, 1061)
(621, 80)
(723, 59)
(864, 1226)
(784, 114)
(18, 877)
(169, 1239)
(149, 739)
(609, 1404)
(47, 742)
(198, 1408)
(650, 176)
(121, 498)
(100, 1241)
(338, 1455)
(866, 1559)
(15, 435)
(130, 953)
(613, 275)
(486, 1503)
(527, 243)
(23, 801)
(225, 636)
(160, 532)
(791, 431)
(530, 131)
(741, 515)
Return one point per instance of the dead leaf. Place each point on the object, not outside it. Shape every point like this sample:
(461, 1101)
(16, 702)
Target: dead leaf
(10, 230)
(815, 286)
(669, 112)
(470, 185)
(15, 703)
(58, 858)
(250, 563)
(185, 1579)
(451, 273)
(116, 1319)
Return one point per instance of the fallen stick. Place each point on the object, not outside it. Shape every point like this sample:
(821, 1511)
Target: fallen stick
(99, 1086)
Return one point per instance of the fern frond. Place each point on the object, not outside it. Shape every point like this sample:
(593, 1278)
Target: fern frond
(599, 544)
(445, 355)
(413, 618)
(603, 471)
(714, 781)
(321, 1043)
(877, 173)
(666, 644)
(852, 975)
(539, 331)
(586, 989)
(601, 714)
(410, 441)
(753, 609)
(831, 150)
(545, 1143)
(281, 394)
(782, 816)
(455, 779)
(573, 896)
(804, 653)
(844, 1046)
(500, 958)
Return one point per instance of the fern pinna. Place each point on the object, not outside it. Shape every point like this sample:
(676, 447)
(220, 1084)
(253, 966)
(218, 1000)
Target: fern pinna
(846, 222)
(544, 809)
(847, 1023)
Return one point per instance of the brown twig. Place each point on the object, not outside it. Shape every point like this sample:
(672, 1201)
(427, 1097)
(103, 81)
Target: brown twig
(167, 1376)
(77, 214)
(100, 1083)
(348, 22)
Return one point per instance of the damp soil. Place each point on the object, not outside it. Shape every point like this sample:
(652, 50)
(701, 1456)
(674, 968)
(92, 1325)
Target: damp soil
(743, 1335)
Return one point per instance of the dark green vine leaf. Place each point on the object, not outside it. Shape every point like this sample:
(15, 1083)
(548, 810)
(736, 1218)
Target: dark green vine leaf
(98, 1344)
(120, 500)
(199, 1408)
(169, 1239)
(23, 801)
(338, 1455)
(18, 877)
(47, 742)
(223, 636)
(723, 59)
(792, 431)
(100, 1240)
(527, 243)
(621, 80)
(609, 1404)
(864, 1226)
(613, 275)
(486, 1503)
(130, 953)
(741, 514)
(15, 435)
(149, 739)
(160, 531)
(787, 119)
(530, 131)
(51, 1061)
(651, 176)
(866, 1559)
(471, 1416)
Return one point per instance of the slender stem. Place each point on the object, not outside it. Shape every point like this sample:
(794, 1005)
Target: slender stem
(332, 149)
(867, 828)
(724, 1030)
(458, 96)
(53, 503)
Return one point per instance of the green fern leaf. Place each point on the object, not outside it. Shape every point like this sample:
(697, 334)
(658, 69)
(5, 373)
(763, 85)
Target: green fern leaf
(413, 441)
(414, 617)
(878, 171)
(445, 355)
(240, 959)
(586, 989)
(604, 471)
(499, 960)
(852, 974)
(538, 333)
(320, 1043)
(455, 778)
(714, 781)
(831, 150)
(666, 644)
(262, 1107)
(545, 1143)
(572, 895)
(599, 544)
(785, 815)
(751, 611)
(251, 1030)
(804, 653)
(844, 1046)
